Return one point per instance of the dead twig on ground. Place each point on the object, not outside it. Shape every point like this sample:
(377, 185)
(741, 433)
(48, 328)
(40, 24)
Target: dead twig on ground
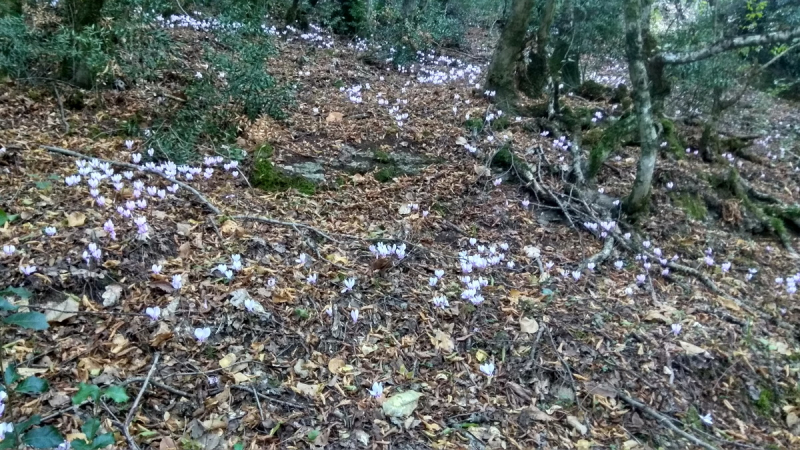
(664, 420)
(135, 406)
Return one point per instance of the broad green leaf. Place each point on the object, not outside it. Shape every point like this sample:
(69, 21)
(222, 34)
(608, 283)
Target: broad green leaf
(6, 306)
(10, 376)
(29, 320)
(20, 292)
(25, 424)
(85, 391)
(80, 444)
(33, 385)
(5, 217)
(102, 441)
(44, 437)
(312, 435)
(10, 440)
(116, 393)
(43, 185)
(238, 446)
(90, 428)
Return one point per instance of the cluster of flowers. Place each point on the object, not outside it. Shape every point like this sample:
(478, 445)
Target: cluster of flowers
(236, 266)
(484, 257)
(382, 250)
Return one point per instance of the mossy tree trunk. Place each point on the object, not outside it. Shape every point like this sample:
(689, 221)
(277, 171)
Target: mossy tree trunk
(537, 73)
(291, 13)
(637, 201)
(501, 76)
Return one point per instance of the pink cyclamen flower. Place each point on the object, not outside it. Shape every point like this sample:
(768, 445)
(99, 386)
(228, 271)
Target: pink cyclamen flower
(354, 315)
(202, 334)
(153, 312)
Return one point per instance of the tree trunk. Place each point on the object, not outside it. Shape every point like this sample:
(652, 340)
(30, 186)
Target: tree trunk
(84, 13)
(501, 76)
(408, 9)
(291, 13)
(638, 199)
(538, 72)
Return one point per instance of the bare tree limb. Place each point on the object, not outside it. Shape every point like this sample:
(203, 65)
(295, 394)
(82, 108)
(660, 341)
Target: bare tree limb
(132, 412)
(728, 44)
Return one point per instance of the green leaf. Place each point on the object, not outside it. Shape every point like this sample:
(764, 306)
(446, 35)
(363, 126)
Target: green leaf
(10, 376)
(29, 320)
(10, 440)
(102, 441)
(547, 292)
(312, 435)
(80, 444)
(33, 385)
(6, 306)
(238, 446)
(25, 424)
(5, 217)
(43, 185)
(44, 437)
(116, 393)
(20, 292)
(90, 428)
(85, 391)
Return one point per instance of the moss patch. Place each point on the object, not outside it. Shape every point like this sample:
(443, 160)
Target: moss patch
(675, 144)
(265, 176)
(692, 205)
(386, 174)
(474, 124)
(503, 158)
(381, 157)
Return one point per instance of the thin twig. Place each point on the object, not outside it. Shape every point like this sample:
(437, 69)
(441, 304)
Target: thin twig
(664, 420)
(569, 374)
(291, 224)
(158, 384)
(194, 191)
(258, 403)
(131, 441)
(248, 389)
(61, 109)
(135, 406)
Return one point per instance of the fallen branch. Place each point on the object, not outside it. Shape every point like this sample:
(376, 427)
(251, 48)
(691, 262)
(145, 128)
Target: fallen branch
(664, 420)
(252, 390)
(137, 168)
(293, 225)
(132, 412)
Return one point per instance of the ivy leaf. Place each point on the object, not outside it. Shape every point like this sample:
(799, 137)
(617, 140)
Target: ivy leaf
(10, 376)
(85, 391)
(20, 292)
(102, 441)
(44, 437)
(28, 320)
(33, 385)
(90, 428)
(116, 393)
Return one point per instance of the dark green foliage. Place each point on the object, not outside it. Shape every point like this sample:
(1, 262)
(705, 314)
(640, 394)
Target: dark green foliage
(602, 144)
(352, 17)
(592, 90)
(265, 176)
(501, 123)
(381, 157)
(669, 134)
(386, 174)
(474, 124)
(692, 205)
(10, 7)
(503, 159)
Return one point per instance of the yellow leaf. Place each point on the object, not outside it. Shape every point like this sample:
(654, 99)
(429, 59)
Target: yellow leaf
(76, 219)
(228, 227)
(481, 356)
(227, 361)
(335, 364)
(528, 325)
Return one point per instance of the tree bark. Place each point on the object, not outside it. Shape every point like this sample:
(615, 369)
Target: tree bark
(501, 76)
(537, 73)
(728, 44)
(408, 9)
(638, 199)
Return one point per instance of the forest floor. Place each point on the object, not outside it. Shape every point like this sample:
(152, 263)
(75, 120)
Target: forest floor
(582, 358)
